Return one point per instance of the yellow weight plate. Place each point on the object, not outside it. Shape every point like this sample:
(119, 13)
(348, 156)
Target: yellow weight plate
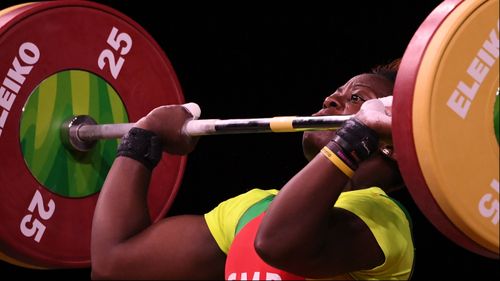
(453, 119)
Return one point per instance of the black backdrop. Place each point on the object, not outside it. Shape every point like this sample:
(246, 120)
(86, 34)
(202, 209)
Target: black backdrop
(256, 60)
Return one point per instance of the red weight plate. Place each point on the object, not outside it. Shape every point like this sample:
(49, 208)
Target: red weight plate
(47, 38)
(403, 131)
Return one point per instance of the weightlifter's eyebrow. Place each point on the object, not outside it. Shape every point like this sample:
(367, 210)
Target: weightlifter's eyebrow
(370, 87)
(363, 85)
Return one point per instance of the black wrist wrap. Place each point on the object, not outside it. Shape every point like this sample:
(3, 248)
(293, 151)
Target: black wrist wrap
(141, 145)
(357, 140)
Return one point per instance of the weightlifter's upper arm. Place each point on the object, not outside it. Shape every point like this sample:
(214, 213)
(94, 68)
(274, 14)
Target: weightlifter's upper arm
(175, 248)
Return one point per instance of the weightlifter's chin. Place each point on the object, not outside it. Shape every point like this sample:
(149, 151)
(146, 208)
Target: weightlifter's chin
(313, 141)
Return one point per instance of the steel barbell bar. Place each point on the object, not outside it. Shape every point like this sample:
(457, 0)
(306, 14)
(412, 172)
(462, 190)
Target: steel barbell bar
(81, 132)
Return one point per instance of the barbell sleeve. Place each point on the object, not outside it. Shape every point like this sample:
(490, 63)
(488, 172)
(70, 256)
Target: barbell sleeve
(103, 131)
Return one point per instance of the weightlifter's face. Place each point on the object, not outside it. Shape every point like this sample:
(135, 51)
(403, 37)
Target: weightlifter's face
(346, 100)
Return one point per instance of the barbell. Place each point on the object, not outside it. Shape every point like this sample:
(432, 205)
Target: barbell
(445, 116)
(80, 133)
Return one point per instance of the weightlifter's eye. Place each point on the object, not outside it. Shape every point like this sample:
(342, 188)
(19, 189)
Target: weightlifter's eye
(355, 98)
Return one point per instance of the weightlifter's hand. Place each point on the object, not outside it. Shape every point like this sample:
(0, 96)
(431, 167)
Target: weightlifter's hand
(167, 122)
(376, 114)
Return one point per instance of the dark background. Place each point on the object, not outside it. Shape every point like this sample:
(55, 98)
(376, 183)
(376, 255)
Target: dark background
(252, 59)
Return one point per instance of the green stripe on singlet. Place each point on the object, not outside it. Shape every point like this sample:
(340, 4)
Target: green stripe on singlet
(402, 207)
(254, 211)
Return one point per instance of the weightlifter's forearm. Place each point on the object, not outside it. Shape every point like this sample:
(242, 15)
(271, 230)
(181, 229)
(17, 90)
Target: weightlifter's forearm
(121, 210)
(300, 212)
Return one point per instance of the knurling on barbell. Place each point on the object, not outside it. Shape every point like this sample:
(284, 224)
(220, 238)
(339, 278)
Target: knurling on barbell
(46, 214)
